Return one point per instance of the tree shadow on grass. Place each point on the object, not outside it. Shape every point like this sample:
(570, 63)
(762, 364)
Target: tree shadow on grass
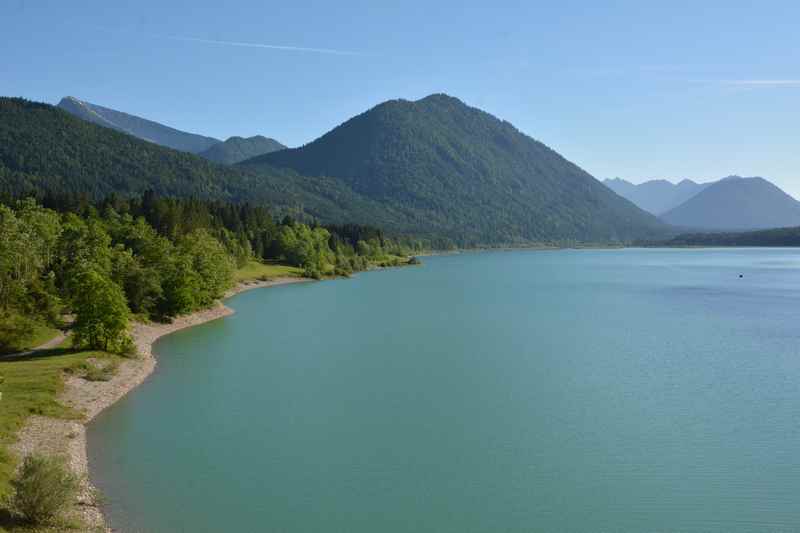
(37, 354)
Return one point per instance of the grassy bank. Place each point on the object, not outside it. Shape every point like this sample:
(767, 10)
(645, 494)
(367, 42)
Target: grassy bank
(255, 270)
(31, 385)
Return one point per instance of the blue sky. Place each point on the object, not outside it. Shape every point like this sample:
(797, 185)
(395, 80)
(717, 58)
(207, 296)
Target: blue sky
(635, 89)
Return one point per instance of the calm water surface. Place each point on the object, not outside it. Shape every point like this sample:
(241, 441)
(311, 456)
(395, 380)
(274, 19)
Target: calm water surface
(575, 391)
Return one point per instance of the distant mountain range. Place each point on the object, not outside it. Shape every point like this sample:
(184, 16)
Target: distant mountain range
(736, 203)
(730, 204)
(656, 196)
(231, 151)
(435, 168)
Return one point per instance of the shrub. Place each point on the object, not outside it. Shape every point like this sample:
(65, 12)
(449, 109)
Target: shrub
(101, 373)
(43, 489)
(128, 348)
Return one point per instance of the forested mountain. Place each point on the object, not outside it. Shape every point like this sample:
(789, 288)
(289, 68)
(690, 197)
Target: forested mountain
(656, 196)
(736, 203)
(44, 149)
(137, 126)
(237, 149)
(462, 172)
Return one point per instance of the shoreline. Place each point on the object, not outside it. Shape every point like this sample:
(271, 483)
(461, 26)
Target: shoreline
(55, 436)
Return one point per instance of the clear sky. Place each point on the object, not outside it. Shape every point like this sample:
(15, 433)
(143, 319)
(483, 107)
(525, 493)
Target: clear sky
(636, 89)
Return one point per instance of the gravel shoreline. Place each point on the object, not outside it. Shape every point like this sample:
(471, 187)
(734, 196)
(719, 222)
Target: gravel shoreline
(67, 438)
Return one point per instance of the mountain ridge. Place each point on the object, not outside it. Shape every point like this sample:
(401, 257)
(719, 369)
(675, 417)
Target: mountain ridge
(656, 196)
(145, 129)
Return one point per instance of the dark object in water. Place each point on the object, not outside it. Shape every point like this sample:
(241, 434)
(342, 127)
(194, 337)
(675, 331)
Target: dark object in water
(741, 275)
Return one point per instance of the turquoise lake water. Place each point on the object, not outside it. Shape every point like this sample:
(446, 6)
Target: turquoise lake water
(567, 391)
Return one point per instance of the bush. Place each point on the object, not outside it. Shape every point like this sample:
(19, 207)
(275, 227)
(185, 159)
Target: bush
(101, 373)
(128, 348)
(43, 489)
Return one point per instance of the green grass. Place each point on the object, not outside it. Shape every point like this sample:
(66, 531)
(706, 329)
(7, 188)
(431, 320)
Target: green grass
(30, 386)
(255, 270)
(41, 334)
(390, 260)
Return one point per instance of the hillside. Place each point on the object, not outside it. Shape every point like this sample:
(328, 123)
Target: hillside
(736, 203)
(766, 237)
(656, 196)
(463, 173)
(137, 126)
(237, 149)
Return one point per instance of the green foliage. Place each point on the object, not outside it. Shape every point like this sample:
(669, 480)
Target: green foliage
(43, 489)
(19, 261)
(15, 330)
(28, 239)
(212, 267)
(101, 312)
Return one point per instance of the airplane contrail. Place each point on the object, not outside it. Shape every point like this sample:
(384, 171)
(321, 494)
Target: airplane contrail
(763, 83)
(269, 46)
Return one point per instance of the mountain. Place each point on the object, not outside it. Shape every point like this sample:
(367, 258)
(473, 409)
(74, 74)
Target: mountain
(736, 203)
(237, 149)
(656, 196)
(137, 126)
(460, 172)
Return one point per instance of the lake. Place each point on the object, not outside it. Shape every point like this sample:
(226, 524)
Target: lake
(555, 391)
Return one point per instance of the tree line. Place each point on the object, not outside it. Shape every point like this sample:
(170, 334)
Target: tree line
(154, 257)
